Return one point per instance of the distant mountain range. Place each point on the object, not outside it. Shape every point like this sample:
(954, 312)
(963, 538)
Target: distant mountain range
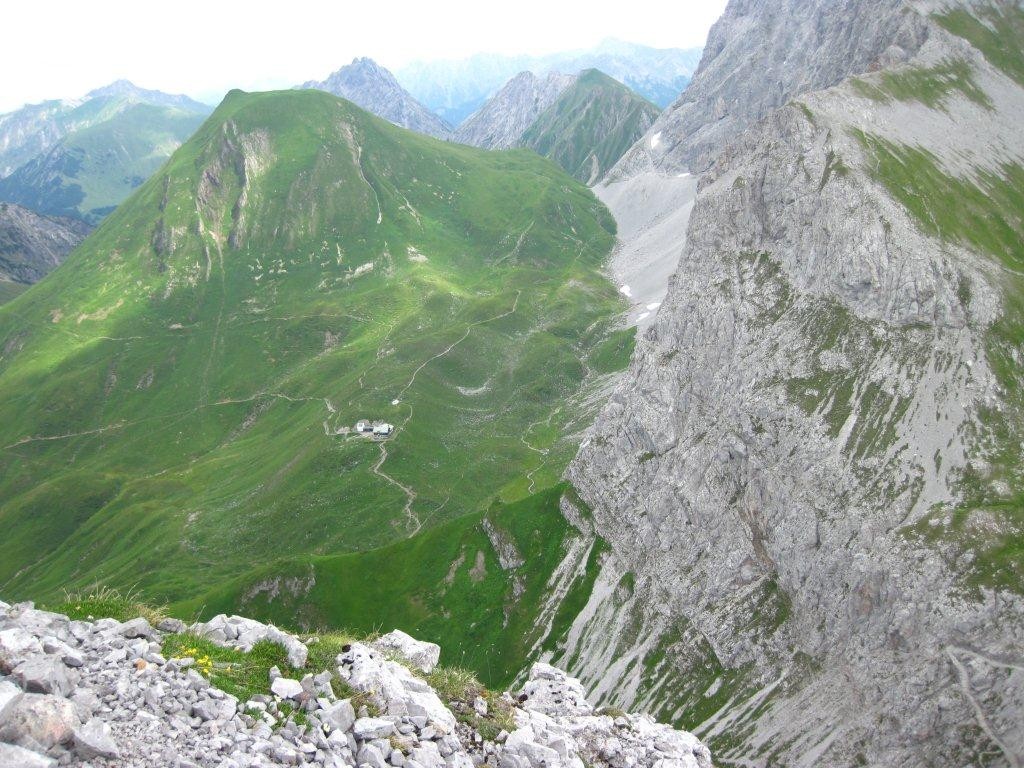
(81, 158)
(376, 90)
(455, 89)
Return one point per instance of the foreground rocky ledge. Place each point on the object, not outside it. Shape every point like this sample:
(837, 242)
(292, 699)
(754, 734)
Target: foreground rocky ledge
(101, 693)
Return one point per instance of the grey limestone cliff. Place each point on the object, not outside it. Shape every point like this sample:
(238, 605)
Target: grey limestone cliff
(808, 478)
(758, 56)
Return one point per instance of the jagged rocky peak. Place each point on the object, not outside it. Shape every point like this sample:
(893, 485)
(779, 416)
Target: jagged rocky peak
(809, 472)
(502, 121)
(106, 692)
(376, 90)
(759, 55)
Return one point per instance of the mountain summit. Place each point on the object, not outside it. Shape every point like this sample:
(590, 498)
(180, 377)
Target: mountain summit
(502, 121)
(376, 90)
(125, 89)
(583, 122)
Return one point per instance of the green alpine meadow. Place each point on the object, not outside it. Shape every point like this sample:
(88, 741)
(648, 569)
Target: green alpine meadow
(179, 400)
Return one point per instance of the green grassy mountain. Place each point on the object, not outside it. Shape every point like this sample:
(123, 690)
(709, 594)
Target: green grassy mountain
(590, 126)
(89, 171)
(176, 399)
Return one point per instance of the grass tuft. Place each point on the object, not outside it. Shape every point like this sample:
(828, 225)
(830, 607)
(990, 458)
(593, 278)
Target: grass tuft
(100, 602)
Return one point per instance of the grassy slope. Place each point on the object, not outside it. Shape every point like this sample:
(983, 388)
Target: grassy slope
(97, 166)
(167, 394)
(8, 290)
(445, 585)
(596, 117)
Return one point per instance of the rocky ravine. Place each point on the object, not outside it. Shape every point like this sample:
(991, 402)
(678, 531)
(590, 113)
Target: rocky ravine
(789, 476)
(102, 694)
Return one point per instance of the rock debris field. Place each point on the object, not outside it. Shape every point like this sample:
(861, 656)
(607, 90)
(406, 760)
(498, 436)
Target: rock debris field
(101, 693)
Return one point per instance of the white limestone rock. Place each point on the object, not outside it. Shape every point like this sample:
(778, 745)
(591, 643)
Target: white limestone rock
(12, 756)
(133, 714)
(392, 687)
(422, 655)
(367, 728)
(93, 740)
(286, 688)
(38, 721)
(553, 692)
(16, 646)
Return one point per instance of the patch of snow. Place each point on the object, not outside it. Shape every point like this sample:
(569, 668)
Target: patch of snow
(656, 140)
(643, 316)
(626, 291)
(654, 306)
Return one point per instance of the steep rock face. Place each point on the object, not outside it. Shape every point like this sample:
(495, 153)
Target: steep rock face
(590, 125)
(761, 54)
(31, 245)
(808, 477)
(375, 89)
(29, 131)
(506, 116)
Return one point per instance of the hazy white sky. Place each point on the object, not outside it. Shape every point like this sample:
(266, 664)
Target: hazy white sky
(63, 48)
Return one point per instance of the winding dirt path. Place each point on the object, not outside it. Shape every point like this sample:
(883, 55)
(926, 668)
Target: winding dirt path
(413, 519)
